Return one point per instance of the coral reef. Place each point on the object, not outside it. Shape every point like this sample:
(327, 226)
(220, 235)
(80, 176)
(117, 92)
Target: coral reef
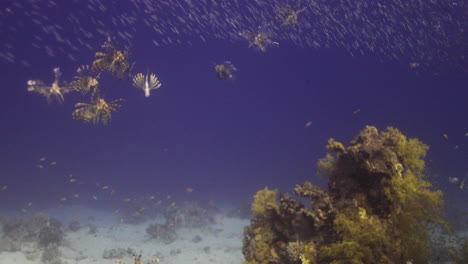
(189, 215)
(175, 252)
(197, 239)
(51, 256)
(164, 232)
(379, 208)
(40, 233)
(74, 226)
(118, 253)
(39, 229)
(92, 230)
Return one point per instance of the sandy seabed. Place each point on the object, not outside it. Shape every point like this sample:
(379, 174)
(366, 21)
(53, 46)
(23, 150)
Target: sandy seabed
(220, 242)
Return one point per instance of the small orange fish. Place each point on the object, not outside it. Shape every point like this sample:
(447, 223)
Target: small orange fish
(105, 187)
(445, 136)
(413, 65)
(456, 147)
(53, 163)
(63, 199)
(72, 180)
(42, 159)
(172, 204)
(189, 190)
(142, 209)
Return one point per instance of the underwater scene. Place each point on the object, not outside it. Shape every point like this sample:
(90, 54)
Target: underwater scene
(233, 132)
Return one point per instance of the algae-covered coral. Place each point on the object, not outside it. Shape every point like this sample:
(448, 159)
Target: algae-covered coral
(379, 208)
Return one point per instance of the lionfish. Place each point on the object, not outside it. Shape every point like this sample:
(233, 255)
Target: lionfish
(112, 60)
(98, 111)
(86, 81)
(260, 39)
(225, 70)
(146, 82)
(55, 91)
(288, 15)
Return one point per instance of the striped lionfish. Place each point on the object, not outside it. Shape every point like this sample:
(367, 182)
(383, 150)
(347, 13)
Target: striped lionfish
(146, 82)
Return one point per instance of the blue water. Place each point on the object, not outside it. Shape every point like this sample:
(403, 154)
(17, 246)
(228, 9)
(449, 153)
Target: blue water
(341, 66)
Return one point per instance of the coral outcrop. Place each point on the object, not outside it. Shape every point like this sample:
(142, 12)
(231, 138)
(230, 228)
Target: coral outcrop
(35, 235)
(378, 208)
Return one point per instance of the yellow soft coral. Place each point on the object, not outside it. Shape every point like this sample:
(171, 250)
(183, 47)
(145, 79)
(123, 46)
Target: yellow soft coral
(334, 146)
(264, 199)
(309, 255)
(362, 213)
(410, 152)
(325, 166)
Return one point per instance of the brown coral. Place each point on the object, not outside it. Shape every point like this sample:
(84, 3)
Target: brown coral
(377, 208)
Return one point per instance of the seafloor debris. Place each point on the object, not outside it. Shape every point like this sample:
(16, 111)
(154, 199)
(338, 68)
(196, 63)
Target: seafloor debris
(86, 81)
(260, 39)
(137, 260)
(225, 70)
(55, 91)
(379, 208)
(98, 111)
(112, 60)
(146, 82)
(118, 253)
(288, 15)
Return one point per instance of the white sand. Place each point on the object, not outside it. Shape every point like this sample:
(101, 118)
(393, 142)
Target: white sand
(83, 248)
